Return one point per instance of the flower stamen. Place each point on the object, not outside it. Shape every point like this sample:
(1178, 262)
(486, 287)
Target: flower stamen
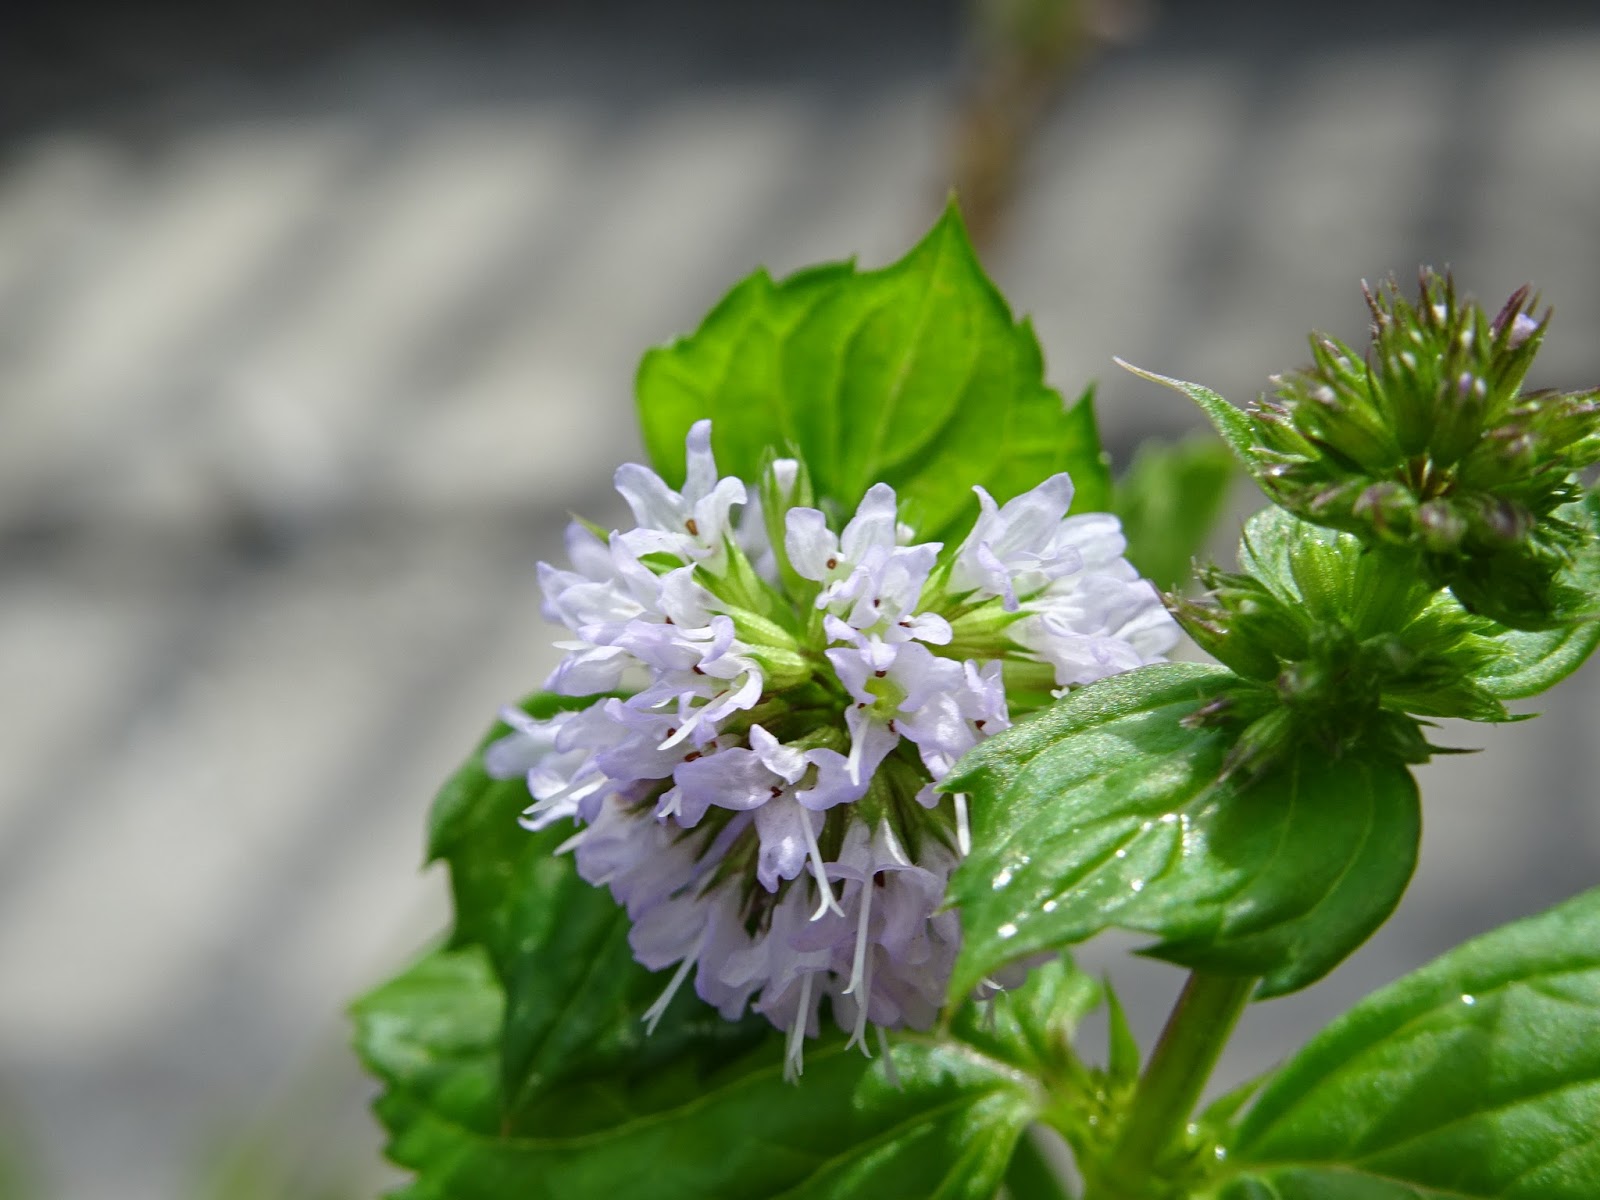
(652, 1015)
(793, 1057)
(858, 960)
(820, 870)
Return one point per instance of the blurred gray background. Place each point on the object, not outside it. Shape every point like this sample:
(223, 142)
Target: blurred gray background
(316, 321)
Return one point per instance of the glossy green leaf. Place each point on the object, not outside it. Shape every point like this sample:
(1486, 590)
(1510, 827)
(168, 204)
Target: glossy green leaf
(916, 374)
(1475, 1078)
(432, 1034)
(1536, 661)
(1106, 811)
(558, 946)
(943, 1124)
(1169, 502)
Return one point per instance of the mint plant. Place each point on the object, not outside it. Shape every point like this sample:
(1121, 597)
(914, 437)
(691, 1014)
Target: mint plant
(867, 720)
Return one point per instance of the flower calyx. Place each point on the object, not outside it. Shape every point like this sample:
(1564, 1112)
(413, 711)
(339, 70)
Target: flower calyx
(1333, 644)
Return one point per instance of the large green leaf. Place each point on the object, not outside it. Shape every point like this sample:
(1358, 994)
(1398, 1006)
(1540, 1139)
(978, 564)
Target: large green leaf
(1106, 811)
(559, 947)
(943, 1123)
(1475, 1078)
(1169, 501)
(916, 374)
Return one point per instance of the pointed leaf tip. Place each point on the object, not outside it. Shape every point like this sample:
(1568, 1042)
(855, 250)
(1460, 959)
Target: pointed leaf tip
(1230, 422)
(916, 374)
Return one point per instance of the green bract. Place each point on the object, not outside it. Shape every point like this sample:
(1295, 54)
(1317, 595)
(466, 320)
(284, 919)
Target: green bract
(1336, 645)
(1428, 443)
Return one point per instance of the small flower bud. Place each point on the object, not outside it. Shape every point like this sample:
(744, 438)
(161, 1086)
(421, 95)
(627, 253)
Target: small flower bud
(1442, 528)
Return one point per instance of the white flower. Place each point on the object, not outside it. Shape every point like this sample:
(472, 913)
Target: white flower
(562, 771)
(904, 690)
(1020, 547)
(817, 553)
(707, 790)
(1101, 620)
(692, 524)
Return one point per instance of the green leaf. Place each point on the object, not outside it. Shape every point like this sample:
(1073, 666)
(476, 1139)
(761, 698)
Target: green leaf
(1474, 1078)
(1230, 423)
(515, 1063)
(1168, 501)
(1535, 661)
(1106, 811)
(944, 1124)
(916, 374)
(432, 1034)
(473, 827)
(1032, 1027)
(559, 947)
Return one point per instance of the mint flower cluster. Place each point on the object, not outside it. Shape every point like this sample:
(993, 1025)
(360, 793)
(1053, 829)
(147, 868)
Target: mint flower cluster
(1429, 442)
(775, 700)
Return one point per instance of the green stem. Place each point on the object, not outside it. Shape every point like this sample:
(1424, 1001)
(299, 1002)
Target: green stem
(1031, 1176)
(1173, 1079)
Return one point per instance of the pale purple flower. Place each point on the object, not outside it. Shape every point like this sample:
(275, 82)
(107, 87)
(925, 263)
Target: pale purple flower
(693, 523)
(1020, 547)
(752, 723)
(819, 554)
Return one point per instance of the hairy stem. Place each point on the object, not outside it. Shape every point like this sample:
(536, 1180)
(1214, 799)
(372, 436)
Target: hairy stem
(1173, 1079)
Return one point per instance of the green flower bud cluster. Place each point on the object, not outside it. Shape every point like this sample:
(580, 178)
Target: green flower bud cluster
(1336, 645)
(1428, 443)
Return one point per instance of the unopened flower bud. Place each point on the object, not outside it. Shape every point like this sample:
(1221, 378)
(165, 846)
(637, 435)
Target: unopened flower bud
(1428, 442)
